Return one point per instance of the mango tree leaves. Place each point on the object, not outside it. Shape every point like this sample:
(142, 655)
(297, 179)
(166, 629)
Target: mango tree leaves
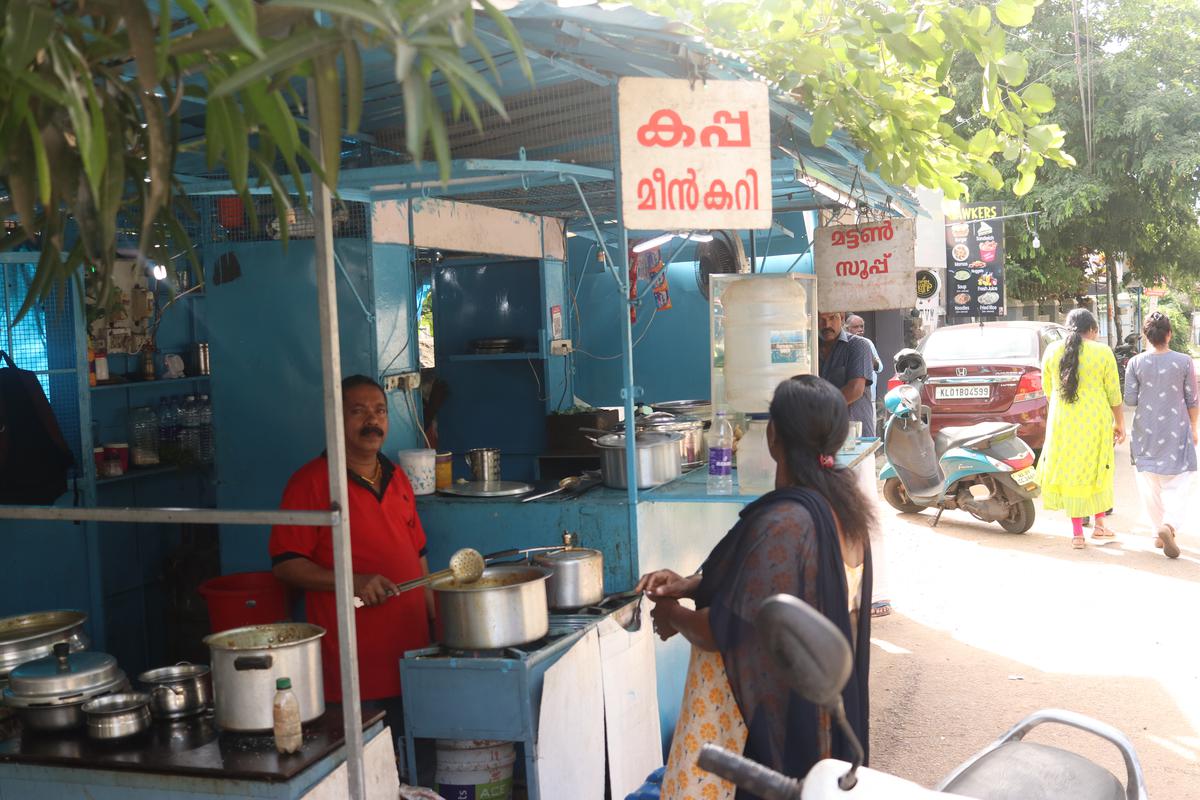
(92, 95)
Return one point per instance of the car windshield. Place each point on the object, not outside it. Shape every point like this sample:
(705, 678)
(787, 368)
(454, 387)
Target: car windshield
(980, 344)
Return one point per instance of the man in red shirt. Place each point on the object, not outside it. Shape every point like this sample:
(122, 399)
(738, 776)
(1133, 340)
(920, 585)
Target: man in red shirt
(387, 545)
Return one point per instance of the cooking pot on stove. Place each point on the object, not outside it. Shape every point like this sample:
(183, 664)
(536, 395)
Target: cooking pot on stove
(505, 607)
(48, 693)
(693, 449)
(576, 577)
(246, 663)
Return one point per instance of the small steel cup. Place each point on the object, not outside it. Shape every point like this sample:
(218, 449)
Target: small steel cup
(484, 463)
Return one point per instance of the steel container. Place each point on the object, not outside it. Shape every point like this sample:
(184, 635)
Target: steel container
(693, 449)
(117, 716)
(28, 637)
(246, 663)
(49, 693)
(658, 460)
(576, 577)
(179, 691)
(505, 607)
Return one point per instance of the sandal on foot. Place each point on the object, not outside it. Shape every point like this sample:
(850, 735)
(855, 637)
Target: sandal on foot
(1167, 534)
(1103, 534)
(881, 608)
(1158, 543)
(1077, 542)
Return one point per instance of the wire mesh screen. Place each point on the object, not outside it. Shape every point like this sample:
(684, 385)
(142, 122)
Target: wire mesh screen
(43, 342)
(228, 219)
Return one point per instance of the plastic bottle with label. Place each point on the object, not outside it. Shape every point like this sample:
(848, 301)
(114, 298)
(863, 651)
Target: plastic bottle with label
(189, 431)
(286, 715)
(204, 444)
(720, 455)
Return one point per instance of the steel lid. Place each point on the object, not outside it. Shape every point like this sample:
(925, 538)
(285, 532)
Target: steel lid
(63, 678)
(574, 554)
(641, 438)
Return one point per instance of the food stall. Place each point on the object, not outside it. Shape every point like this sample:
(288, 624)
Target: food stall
(524, 255)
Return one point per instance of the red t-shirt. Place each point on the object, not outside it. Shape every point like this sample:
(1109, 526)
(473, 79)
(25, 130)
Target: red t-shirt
(386, 538)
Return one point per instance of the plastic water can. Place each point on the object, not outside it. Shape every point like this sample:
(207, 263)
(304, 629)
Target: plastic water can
(767, 339)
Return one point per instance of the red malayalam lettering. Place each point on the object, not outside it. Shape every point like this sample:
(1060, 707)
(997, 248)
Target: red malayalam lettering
(665, 129)
(717, 135)
(862, 268)
(660, 193)
(855, 237)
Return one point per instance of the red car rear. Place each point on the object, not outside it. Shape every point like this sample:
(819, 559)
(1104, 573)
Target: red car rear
(989, 373)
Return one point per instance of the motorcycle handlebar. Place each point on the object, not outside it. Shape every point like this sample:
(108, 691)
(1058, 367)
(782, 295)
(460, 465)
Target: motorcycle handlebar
(749, 775)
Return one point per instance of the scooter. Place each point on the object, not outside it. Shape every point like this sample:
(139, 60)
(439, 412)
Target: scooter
(985, 469)
(1124, 353)
(817, 658)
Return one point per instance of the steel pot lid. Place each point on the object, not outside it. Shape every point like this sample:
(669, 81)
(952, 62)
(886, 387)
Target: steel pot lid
(265, 637)
(118, 703)
(21, 629)
(566, 556)
(63, 677)
(641, 438)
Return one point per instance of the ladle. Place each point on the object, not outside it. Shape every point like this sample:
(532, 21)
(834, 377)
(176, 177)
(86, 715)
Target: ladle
(466, 566)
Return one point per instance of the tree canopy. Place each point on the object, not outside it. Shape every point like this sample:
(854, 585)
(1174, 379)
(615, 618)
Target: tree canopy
(1134, 128)
(882, 70)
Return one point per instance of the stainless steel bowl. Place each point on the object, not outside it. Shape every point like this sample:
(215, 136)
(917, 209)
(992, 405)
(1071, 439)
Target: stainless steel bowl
(179, 691)
(117, 716)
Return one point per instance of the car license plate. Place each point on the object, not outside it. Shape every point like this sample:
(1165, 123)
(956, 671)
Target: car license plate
(1025, 476)
(962, 392)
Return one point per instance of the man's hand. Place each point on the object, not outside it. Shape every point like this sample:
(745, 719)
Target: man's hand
(373, 589)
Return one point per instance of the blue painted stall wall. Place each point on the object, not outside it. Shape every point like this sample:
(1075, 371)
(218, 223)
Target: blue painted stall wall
(396, 338)
(491, 403)
(671, 353)
(266, 365)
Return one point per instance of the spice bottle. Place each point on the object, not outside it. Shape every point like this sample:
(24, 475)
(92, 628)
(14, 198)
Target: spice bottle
(288, 733)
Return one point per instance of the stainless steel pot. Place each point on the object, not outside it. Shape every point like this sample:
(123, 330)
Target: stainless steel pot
(49, 693)
(246, 663)
(576, 577)
(700, 409)
(505, 607)
(178, 691)
(116, 716)
(657, 459)
(693, 449)
(27, 637)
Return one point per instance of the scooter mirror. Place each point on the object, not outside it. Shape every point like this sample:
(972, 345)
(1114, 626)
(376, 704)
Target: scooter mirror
(808, 647)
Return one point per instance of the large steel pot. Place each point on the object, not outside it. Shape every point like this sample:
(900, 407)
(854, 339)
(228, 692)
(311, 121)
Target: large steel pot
(178, 691)
(49, 693)
(657, 459)
(505, 607)
(693, 449)
(27, 637)
(576, 577)
(246, 663)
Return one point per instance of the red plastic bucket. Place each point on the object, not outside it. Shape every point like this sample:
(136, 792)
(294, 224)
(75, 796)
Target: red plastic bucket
(244, 598)
(230, 212)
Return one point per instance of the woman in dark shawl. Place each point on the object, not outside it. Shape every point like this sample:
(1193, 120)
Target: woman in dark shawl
(807, 538)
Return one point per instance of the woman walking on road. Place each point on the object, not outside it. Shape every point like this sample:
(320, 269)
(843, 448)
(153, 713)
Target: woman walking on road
(1076, 467)
(1161, 385)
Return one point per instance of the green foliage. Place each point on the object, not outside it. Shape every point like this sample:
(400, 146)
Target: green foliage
(1181, 324)
(92, 95)
(1136, 199)
(881, 70)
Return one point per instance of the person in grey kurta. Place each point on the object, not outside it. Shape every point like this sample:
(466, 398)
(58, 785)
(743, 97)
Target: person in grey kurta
(1161, 385)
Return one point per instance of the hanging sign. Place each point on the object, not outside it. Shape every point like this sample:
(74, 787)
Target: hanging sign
(694, 155)
(865, 267)
(975, 260)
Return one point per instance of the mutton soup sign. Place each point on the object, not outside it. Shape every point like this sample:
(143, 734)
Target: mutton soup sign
(694, 156)
(865, 267)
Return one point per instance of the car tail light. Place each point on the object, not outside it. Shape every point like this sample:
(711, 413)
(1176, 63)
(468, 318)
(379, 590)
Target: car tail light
(1020, 463)
(893, 382)
(1030, 387)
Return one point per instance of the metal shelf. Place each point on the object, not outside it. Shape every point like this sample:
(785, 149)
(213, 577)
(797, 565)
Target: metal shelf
(498, 357)
(138, 384)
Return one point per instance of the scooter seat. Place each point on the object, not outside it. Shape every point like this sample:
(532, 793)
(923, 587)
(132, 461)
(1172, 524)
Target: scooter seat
(948, 438)
(1031, 771)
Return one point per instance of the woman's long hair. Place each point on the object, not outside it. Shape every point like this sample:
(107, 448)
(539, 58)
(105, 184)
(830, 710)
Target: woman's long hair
(811, 420)
(1079, 322)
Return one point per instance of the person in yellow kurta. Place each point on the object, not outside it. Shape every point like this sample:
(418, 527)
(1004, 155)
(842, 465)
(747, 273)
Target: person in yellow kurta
(1076, 467)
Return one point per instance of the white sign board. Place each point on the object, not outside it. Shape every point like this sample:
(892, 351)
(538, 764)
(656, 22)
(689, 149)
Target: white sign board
(865, 267)
(694, 155)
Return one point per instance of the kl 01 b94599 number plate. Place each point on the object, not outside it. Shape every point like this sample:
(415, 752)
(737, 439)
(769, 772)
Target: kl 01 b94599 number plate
(962, 393)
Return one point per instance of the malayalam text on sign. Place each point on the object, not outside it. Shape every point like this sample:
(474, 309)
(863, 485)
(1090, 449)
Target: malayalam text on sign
(694, 156)
(867, 267)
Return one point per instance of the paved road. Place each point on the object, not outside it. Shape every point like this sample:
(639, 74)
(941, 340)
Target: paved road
(990, 626)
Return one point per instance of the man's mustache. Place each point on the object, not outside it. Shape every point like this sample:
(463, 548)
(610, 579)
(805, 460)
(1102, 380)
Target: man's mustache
(369, 429)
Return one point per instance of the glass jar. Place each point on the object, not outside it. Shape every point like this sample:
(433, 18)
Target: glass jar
(143, 424)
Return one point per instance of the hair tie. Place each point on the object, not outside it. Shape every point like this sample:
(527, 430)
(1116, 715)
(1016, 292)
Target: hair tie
(826, 461)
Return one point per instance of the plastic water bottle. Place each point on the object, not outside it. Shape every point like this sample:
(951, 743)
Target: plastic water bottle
(286, 714)
(205, 435)
(168, 431)
(720, 456)
(189, 423)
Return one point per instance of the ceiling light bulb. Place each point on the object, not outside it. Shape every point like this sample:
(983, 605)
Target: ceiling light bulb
(1036, 242)
(650, 244)
(160, 272)
(699, 237)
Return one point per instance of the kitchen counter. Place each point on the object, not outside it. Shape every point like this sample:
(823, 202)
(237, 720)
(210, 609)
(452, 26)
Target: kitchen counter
(183, 759)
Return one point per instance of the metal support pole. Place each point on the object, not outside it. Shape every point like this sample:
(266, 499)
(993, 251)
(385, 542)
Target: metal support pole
(194, 516)
(335, 448)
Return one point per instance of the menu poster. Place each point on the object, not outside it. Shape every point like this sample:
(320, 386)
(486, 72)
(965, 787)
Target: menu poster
(975, 260)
